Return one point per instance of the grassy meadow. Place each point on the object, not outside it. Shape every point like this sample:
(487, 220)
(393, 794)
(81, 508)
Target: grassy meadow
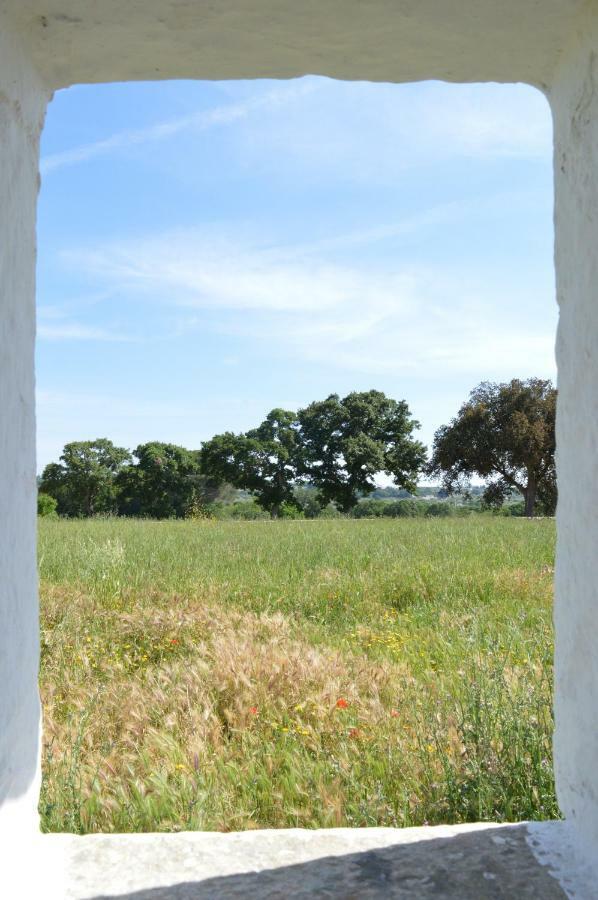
(234, 675)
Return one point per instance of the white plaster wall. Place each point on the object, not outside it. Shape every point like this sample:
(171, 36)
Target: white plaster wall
(574, 101)
(380, 40)
(22, 105)
(545, 42)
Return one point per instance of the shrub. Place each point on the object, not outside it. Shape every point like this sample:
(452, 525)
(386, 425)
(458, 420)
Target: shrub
(513, 509)
(331, 512)
(373, 509)
(307, 498)
(46, 505)
(406, 508)
(241, 509)
(437, 510)
(288, 511)
(369, 509)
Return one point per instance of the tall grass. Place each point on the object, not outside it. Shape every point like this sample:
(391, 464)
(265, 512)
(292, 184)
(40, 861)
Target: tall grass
(298, 673)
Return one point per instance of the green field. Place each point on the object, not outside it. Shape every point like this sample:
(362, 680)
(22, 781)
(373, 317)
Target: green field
(232, 675)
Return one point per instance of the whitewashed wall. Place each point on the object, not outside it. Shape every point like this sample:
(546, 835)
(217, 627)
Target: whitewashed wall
(550, 43)
(574, 101)
(22, 106)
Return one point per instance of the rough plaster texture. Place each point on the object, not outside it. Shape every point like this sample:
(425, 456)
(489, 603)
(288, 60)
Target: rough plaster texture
(574, 100)
(389, 40)
(45, 44)
(22, 106)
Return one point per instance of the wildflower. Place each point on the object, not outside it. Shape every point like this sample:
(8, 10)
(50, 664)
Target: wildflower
(173, 641)
(253, 710)
(341, 703)
(180, 766)
(430, 748)
(394, 713)
(354, 733)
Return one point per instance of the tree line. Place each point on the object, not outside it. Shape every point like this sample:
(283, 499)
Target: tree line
(328, 454)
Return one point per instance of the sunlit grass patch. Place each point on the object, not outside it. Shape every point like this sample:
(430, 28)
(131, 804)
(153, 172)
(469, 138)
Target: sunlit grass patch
(242, 675)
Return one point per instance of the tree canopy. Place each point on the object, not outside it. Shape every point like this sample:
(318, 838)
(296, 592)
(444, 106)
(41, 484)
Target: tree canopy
(83, 482)
(163, 484)
(505, 435)
(263, 460)
(323, 459)
(346, 442)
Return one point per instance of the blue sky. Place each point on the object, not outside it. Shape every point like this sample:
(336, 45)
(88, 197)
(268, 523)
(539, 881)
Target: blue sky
(208, 251)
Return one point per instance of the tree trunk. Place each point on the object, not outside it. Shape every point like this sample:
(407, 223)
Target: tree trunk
(530, 496)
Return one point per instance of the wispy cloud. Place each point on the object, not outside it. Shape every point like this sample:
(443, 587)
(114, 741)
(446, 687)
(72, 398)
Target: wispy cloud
(56, 323)
(373, 133)
(204, 120)
(344, 312)
(486, 121)
(366, 244)
(366, 129)
(197, 272)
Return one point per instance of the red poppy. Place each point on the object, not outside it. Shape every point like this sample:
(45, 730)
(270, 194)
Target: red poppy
(253, 710)
(341, 703)
(174, 641)
(394, 713)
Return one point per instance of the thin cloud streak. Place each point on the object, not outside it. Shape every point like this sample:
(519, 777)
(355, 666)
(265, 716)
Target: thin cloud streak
(206, 276)
(285, 245)
(161, 131)
(469, 125)
(374, 134)
(235, 270)
(406, 320)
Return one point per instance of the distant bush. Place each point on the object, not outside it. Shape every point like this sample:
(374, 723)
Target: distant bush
(241, 509)
(407, 508)
(512, 509)
(438, 510)
(307, 498)
(288, 511)
(46, 506)
(370, 509)
(394, 509)
(518, 509)
(331, 512)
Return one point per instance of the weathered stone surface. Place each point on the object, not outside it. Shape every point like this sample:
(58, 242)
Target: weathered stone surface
(405, 40)
(456, 863)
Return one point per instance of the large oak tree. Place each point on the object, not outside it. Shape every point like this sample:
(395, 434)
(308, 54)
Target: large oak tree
(262, 461)
(346, 442)
(163, 484)
(505, 435)
(84, 481)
